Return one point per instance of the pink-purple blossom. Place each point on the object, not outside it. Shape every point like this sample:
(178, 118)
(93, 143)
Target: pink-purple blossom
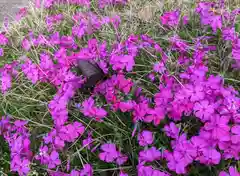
(170, 18)
(145, 138)
(3, 39)
(110, 154)
(149, 155)
(172, 130)
(1, 52)
(90, 110)
(122, 62)
(232, 172)
(204, 110)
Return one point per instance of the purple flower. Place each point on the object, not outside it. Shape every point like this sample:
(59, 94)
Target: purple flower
(149, 155)
(17, 137)
(232, 172)
(126, 106)
(46, 63)
(21, 13)
(52, 20)
(54, 160)
(195, 92)
(1, 52)
(67, 41)
(43, 155)
(123, 174)
(176, 162)
(58, 110)
(110, 154)
(178, 44)
(185, 20)
(203, 110)
(210, 156)
(140, 111)
(6, 81)
(115, 20)
(151, 76)
(58, 142)
(170, 18)
(230, 149)
(87, 170)
(218, 126)
(55, 38)
(5, 24)
(122, 62)
(37, 3)
(145, 138)
(172, 130)
(185, 148)
(3, 39)
(159, 67)
(149, 171)
(123, 84)
(163, 97)
(74, 173)
(229, 34)
(22, 166)
(87, 23)
(216, 22)
(55, 173)
(88, 142)
(155, 115)
(121, 159)
(48, 3)
(103, 66)
(31, 71)
(71, 132)
(236, 50)
(236, 134)
(208, 15)
(90, 110)
(26, 44)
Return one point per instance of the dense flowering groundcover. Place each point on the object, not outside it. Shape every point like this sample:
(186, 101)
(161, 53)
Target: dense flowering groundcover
(179, 115)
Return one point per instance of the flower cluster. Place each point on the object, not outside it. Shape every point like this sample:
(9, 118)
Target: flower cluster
(17, 136)
(21, 13)
(148, 171)
(55, 141)
(110, 154)
(86, 171)
(172, 19)
(232, 172)
(6, 74)
(90, 110)
(87, 23)
(215, 15)
(145, 138)
(53, 19)
(3, 41)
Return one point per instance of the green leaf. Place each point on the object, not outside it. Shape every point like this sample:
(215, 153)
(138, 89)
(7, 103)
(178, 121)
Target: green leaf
(237, 27)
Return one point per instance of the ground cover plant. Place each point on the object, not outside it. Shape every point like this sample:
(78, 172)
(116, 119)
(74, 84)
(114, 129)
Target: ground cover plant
(168, 104)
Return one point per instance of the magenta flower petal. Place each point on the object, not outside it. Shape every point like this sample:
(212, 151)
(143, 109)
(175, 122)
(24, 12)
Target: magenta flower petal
(145, 138)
